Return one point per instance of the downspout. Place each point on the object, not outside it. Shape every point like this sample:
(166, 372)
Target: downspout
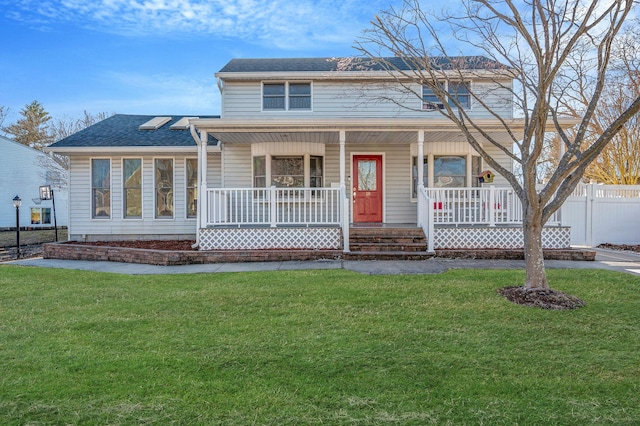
(196, 138)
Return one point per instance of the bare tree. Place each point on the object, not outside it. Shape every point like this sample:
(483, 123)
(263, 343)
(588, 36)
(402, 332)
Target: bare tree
(540, 42)
(4, 111)
(66, 126)
(619, 162)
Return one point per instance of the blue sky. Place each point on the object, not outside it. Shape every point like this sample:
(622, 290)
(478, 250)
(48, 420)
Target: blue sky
(157, 56)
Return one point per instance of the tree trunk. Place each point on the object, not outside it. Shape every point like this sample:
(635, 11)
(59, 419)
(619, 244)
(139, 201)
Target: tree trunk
(533, 255)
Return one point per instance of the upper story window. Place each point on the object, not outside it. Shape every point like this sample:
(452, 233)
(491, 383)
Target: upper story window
(457, 90)
(286, 96)
(460, 92)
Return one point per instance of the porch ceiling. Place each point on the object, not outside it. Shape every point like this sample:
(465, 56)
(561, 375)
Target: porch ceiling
(356, 137)
(357, 131)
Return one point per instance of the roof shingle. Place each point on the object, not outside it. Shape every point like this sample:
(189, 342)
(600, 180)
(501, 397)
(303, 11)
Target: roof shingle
(122, 130)
(351, 64)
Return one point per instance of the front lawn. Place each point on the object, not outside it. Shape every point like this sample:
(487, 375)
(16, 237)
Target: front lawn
(314, 347)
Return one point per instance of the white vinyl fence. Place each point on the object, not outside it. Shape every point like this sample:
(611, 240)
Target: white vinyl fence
(601, 214)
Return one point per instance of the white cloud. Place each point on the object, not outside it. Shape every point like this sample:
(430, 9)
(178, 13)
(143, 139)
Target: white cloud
(284, 24)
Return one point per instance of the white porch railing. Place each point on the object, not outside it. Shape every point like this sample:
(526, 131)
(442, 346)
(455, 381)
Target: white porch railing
(483, 206)
(274, 206)
(425, 216)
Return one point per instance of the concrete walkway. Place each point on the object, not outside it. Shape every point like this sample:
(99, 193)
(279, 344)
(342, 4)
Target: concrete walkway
(627, 262)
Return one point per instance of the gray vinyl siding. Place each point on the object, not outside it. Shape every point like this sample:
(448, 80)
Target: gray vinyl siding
(501, 158)
(237, 166)
(147, 227)
(354, 99)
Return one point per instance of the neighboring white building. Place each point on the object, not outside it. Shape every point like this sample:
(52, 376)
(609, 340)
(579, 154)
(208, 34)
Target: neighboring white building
(22, 171)
(295, 160)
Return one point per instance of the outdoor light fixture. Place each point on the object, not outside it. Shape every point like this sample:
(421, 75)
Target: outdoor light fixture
(17, 202)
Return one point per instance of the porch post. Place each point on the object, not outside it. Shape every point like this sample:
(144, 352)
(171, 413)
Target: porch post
(343, 192)
(343, 173)
(420, 157)
(202, 196)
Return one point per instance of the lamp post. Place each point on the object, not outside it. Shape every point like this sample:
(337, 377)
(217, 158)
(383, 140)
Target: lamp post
(17, 202)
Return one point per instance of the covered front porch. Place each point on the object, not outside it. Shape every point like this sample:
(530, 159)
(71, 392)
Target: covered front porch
(307, 211)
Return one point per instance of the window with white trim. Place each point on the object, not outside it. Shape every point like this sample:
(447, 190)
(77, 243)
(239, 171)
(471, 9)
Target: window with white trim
(414, 175)
(101, 188)
(288, 171)
(449, 171)
(40, 216)
(132, 187)
(286, 96)
(192, 187)
(163, 169)
(457, 90)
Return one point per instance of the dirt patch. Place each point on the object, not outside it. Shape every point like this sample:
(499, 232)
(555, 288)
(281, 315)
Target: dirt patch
(541, 298)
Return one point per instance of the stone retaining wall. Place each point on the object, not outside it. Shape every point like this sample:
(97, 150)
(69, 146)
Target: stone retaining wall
(72, 251)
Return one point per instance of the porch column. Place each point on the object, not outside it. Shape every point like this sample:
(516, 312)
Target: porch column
(420, 158)
(343, 190)
(202, 196)
(343, 173)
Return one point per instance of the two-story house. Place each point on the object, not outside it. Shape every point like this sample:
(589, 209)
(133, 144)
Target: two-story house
(303, 152)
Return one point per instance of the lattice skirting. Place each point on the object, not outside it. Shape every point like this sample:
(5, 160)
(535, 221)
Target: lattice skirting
(270, 238)
(556, 237)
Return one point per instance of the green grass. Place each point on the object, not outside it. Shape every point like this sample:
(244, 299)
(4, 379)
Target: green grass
(314, 347)
(33, 236)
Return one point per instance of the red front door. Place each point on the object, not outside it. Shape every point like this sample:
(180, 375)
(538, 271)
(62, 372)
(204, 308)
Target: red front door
(367, 188)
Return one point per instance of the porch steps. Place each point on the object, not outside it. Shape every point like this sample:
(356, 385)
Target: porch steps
(387, 244)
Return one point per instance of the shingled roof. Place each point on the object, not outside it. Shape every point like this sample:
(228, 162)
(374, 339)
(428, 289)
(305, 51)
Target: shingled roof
(244, 65)
(123, 130)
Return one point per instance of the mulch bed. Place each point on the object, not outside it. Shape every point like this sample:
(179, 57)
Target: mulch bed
(171, 245)
(626, 247)
(541, 298)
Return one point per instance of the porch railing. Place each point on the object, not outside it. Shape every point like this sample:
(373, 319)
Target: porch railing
(274, 206)
(469, 206)
(425, 216)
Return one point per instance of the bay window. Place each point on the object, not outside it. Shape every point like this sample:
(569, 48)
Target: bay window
(449, 171)
(288, 171)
